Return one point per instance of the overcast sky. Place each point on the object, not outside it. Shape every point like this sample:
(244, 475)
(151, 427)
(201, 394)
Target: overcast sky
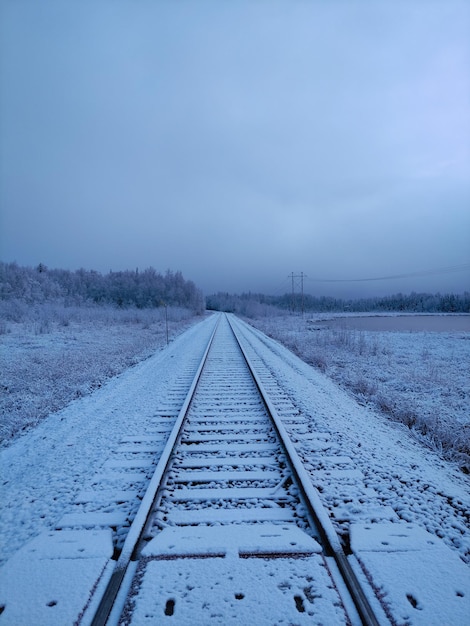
(239, 141)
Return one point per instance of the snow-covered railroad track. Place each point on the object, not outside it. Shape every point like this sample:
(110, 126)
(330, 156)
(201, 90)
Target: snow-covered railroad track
(229, 485)
(231, 529)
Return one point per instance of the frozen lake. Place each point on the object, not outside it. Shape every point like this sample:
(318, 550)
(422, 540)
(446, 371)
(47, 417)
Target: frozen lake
(403, 323)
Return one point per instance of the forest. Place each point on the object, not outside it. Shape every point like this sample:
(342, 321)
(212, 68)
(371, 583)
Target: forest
(124, 289)
(151, 289)
(259, 305)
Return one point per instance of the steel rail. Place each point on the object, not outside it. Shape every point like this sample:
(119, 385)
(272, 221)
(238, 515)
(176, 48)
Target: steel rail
(138, 525)
(313, 503)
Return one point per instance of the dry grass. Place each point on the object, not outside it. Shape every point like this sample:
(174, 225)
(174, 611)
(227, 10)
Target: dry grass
(51, 355)
(415, 378)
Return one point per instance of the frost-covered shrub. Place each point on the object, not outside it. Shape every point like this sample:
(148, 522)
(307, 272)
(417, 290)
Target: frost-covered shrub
(363, 388)
(56, 354)
(318, 360)
(417, 379)
(14, 310)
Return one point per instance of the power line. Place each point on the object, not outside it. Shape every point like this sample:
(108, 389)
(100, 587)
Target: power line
(281, 288)
(431, 272)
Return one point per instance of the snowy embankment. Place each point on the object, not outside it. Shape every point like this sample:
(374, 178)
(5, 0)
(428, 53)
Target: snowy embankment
(51, 354)
(416, 377)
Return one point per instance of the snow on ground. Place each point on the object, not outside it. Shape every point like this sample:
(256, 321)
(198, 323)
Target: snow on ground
(51, 354)
(415, 369)
(45, 468)
(412, 480)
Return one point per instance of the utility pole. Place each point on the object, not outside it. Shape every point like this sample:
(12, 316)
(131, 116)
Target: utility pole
(166, 323)
(293, 293)
(166, 319)
(293, 277)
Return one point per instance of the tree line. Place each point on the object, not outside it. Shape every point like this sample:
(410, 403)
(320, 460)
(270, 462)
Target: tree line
(141, 289)
(252, 305)
(149, 289)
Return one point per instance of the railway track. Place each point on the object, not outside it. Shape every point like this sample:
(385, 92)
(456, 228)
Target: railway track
(231, 501)
(231, 497)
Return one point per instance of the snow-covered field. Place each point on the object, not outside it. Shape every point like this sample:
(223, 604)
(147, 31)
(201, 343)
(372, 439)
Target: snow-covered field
(51, 354)
(415, 369)
(45, 467)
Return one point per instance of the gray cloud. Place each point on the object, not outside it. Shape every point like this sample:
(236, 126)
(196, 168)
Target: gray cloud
(238, 141)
